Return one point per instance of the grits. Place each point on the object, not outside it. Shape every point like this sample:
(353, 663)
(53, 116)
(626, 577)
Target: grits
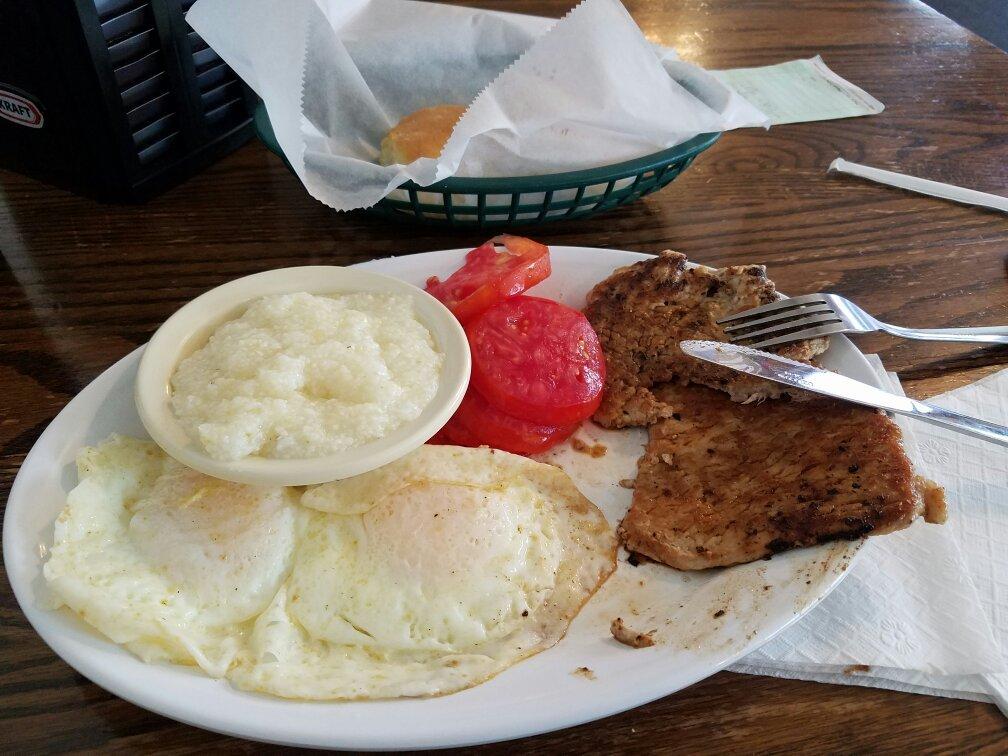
(300, 376)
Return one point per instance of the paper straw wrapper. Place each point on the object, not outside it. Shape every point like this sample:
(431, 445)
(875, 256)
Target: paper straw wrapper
(922, 186)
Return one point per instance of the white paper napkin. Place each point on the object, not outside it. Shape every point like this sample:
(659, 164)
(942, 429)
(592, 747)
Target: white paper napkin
(591, 91)
(924, 610)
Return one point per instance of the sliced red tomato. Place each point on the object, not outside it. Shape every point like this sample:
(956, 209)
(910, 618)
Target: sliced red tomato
(440, 438)
(538, 360)
(478, 423)
(453, 434)
(500, 268)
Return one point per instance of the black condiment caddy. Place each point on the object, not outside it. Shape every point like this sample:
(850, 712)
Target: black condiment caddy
(115, 99)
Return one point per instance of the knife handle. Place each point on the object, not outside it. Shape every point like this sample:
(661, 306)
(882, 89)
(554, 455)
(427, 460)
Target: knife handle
(971, 426)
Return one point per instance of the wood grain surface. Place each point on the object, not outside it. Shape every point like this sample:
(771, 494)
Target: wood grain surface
(82, 284)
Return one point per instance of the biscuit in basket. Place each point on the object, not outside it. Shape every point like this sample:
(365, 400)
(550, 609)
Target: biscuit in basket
(420, 134)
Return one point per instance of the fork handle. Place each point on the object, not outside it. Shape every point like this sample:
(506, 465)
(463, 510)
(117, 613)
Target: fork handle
(986, 335)
(971, 426)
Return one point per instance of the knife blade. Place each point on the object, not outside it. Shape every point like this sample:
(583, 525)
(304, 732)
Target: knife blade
(798, 374)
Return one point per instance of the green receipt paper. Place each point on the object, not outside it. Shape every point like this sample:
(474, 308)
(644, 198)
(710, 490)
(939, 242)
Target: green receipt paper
(800, 90)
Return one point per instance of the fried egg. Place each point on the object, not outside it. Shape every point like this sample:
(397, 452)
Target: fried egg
(167, 561)
(424, 577)
(428, 576)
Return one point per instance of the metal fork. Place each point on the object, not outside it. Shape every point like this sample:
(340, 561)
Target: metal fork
(814, 315)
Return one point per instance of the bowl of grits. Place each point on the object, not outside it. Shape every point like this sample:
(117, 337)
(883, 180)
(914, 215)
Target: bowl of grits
(299, 376)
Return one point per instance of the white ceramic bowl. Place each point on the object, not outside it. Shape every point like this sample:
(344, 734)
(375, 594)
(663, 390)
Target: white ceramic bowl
(190, 328)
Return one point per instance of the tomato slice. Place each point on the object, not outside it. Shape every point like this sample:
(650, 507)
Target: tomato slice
(498, 269)
(440, 439)
(478, 423)
(538, 360)
(453, 434)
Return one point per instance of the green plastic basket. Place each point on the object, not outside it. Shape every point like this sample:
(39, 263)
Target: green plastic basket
(526, 200)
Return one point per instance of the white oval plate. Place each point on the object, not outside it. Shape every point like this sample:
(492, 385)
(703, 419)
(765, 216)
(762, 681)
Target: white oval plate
(752, 602)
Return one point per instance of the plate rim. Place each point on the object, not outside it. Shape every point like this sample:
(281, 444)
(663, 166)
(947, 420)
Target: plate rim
(488, 731)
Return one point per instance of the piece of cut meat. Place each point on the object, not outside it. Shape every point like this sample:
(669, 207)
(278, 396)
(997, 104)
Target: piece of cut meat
(642, 312)
(723, 483)
(629, 637)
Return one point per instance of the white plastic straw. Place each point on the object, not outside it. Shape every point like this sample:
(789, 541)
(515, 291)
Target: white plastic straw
(922, 186)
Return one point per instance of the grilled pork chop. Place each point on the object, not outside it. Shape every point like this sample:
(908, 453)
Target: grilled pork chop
(722, 483)
(642, 312)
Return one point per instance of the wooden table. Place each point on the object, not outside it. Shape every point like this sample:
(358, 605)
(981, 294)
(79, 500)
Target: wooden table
(83, 284)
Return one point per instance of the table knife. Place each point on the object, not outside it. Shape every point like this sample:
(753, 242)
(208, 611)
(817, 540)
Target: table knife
(798, 374)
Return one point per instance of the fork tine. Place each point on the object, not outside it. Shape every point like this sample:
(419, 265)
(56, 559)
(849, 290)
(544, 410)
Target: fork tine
(808, 333)
(781, 328)
(782, 304)
(781, 315)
